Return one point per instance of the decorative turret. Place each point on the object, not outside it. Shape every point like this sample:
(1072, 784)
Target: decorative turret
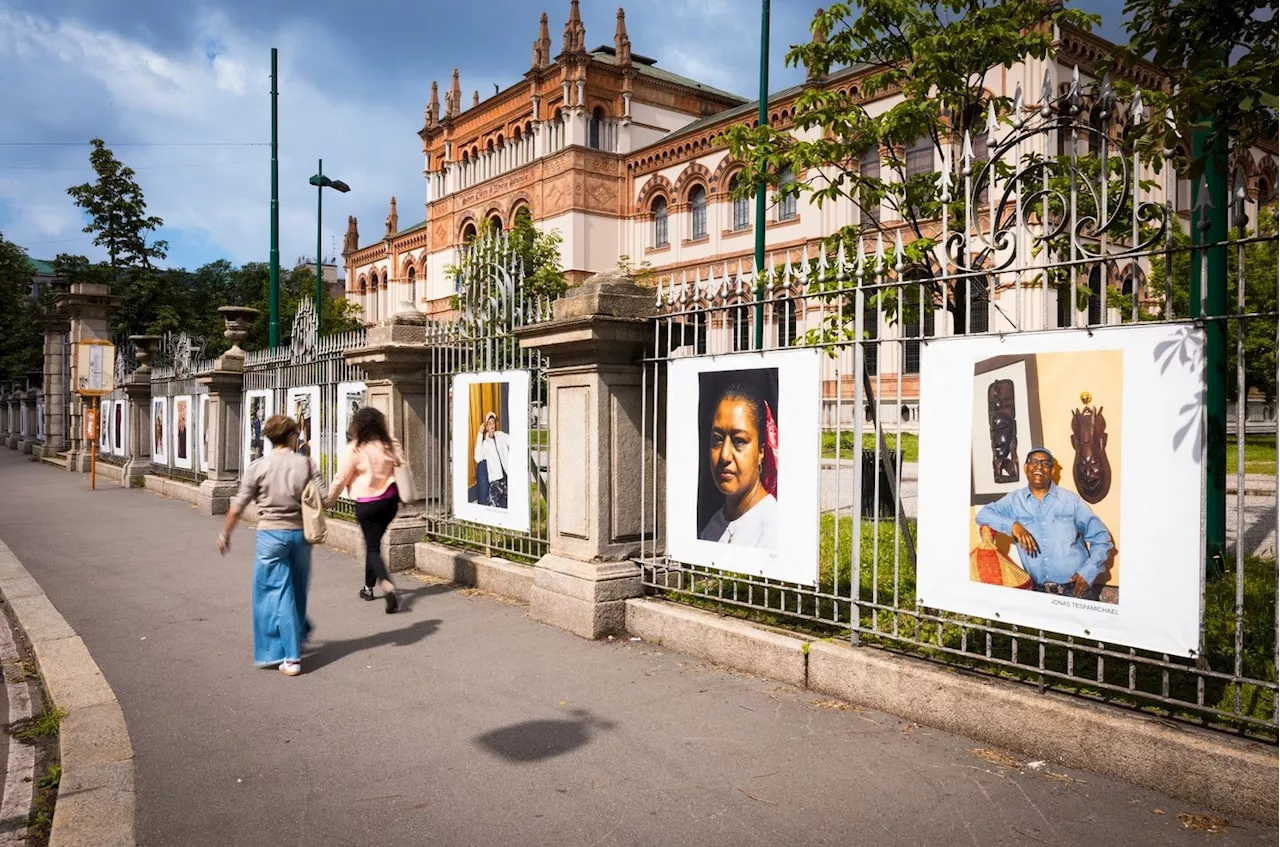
(351, 241)
(542, 47)
(816, 72)
(432, 117)
(621, 43)
(393, 220)
(575, 34)
(453, 100)
(475, 98)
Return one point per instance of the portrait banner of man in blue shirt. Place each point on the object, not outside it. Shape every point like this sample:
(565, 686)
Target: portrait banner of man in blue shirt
(1062, 544)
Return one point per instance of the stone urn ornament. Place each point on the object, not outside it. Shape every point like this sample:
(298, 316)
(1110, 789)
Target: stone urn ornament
(239, 320)
(1091, 469)
(144, 351)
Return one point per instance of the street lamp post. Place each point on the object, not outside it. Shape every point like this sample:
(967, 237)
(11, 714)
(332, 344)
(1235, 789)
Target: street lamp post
(321, 182)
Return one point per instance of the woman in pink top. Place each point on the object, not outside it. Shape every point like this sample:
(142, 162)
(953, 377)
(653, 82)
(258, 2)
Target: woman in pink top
(367, 469)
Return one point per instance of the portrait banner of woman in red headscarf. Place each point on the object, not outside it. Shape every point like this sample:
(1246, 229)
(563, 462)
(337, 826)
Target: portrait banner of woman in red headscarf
(743, 466)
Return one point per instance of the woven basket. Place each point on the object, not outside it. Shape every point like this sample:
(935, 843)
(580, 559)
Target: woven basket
(988, 565)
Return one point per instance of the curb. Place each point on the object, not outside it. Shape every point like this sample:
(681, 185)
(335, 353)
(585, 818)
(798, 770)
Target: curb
(1229, 774)
(96, 799)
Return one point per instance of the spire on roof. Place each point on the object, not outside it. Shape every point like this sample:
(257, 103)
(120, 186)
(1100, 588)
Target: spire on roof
(621, 43)
(475, 98)
(351, 241)
(818, 70)
(453, 100)
(542, 47)
(433, 107)
(575, 34)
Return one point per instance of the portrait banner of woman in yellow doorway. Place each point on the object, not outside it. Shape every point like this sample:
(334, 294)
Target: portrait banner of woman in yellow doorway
(491, 476)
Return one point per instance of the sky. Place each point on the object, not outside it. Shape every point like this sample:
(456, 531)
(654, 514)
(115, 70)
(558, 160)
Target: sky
(181, 93)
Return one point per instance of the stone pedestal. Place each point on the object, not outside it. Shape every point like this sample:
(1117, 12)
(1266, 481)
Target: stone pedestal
(12, 412)
(594, 345)
(226, 407)
(138, 449)
(55, 385)
(87, 306)
(395, 360)
(29, 405)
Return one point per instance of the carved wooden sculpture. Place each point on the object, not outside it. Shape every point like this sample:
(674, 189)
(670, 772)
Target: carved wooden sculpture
(1002, 420)
(1091, 469)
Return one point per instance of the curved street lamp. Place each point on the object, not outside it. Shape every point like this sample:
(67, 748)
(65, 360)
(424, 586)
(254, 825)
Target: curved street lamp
(321, 182)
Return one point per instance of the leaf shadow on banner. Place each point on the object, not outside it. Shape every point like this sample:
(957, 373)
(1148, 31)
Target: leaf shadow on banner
(1185, 351)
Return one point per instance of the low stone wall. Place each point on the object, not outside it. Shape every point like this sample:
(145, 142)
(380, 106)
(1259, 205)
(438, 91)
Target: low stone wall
(506, 579)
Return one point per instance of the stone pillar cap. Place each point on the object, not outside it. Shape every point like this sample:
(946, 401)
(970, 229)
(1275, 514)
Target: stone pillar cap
(608, 294)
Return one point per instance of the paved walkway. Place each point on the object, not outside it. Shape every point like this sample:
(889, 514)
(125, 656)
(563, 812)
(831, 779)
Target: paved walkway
(461, 721)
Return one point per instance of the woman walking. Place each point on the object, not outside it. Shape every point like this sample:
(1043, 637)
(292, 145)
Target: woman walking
(367, 469)
(282, 565)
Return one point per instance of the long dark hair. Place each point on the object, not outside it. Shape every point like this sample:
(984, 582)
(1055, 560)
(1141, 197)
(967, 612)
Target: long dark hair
(368, 424)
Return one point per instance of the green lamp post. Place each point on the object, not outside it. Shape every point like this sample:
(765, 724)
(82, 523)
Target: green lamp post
(321, 182)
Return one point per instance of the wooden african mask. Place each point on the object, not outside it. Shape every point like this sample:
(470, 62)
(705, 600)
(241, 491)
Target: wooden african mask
(1091, 469)
(1003, 425)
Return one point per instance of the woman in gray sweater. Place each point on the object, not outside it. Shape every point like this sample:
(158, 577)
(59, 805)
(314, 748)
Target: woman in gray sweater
(282, 566)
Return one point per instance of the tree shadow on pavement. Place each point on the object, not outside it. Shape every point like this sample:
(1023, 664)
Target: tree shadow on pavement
(533, 741)
(327, 652)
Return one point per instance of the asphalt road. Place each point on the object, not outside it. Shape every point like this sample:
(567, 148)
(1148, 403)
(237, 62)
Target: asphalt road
(461, 721)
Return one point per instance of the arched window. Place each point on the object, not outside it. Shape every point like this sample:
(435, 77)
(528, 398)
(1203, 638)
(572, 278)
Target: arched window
(523, 215)
(1265, 191)
(495, 223)
(785, 314)
(869, 168)
(920, 161)
(698, 212)
(593, 128)
(1095, 295)
(741, 205)
(413, 285)
(975, 292)
(469, 233)
(787, 205)
(742, 325)
(659, 210)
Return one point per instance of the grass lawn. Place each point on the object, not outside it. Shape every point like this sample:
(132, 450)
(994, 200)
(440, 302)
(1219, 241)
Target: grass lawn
(910, 444)
(1259, 454)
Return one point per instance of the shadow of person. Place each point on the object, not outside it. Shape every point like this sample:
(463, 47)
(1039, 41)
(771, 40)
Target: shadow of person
(408, 596)
(328, 652)
(533, 741)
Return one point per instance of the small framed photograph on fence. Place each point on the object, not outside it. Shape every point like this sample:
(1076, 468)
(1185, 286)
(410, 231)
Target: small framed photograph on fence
(119, 422)
(202, 427)
(303, 405)
(159, 433)
(259, 404)
(183, 428)
(104, 427)
(743, 454)
(491, 478)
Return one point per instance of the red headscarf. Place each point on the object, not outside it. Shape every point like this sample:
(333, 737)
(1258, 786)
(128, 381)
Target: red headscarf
(769, 467)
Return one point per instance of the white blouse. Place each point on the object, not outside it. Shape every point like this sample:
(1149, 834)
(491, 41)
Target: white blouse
(495, 453)
(757, 528)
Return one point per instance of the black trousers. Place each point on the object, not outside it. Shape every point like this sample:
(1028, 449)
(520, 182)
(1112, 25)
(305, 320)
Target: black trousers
(374, 518)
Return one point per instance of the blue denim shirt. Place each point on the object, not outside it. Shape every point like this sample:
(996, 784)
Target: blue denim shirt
(1062, 524)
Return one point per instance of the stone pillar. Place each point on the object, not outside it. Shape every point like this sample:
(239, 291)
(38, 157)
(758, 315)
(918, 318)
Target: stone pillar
(226, 410)
(594, 345)
(138, 389)
(87, 306)
(29, 417)
(17, 402)
(6, 411)
(54, 387)
(395, 359)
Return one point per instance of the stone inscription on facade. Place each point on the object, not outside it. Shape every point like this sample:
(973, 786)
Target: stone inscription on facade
(496, 186)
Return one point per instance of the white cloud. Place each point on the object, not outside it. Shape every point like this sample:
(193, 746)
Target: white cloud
(214, 88)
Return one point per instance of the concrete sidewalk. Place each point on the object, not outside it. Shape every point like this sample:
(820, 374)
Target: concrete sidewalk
(462, 722)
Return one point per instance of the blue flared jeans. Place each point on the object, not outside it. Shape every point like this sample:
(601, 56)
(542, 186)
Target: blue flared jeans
(281, 571)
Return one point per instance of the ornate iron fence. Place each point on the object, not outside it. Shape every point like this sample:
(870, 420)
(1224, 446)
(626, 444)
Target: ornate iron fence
(491, 303)
(178, 436)
(310, 379)
(1039, 241)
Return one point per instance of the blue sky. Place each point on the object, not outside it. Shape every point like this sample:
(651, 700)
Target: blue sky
(181, 93)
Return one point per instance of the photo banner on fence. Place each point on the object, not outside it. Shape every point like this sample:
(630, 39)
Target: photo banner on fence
(303, 405)
(159, 431)
(183, 427)
(1060, 482)
(491, 479)
(743, 457)
(259, 405)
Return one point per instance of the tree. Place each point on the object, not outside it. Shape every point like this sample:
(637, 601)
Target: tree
(21, 338)
(937, 54)
(1260, 298)
(1221, 57)
(117, 211)
(531, 257)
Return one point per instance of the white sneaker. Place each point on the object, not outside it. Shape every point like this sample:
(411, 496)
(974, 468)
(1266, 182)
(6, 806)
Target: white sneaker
(291, 668)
